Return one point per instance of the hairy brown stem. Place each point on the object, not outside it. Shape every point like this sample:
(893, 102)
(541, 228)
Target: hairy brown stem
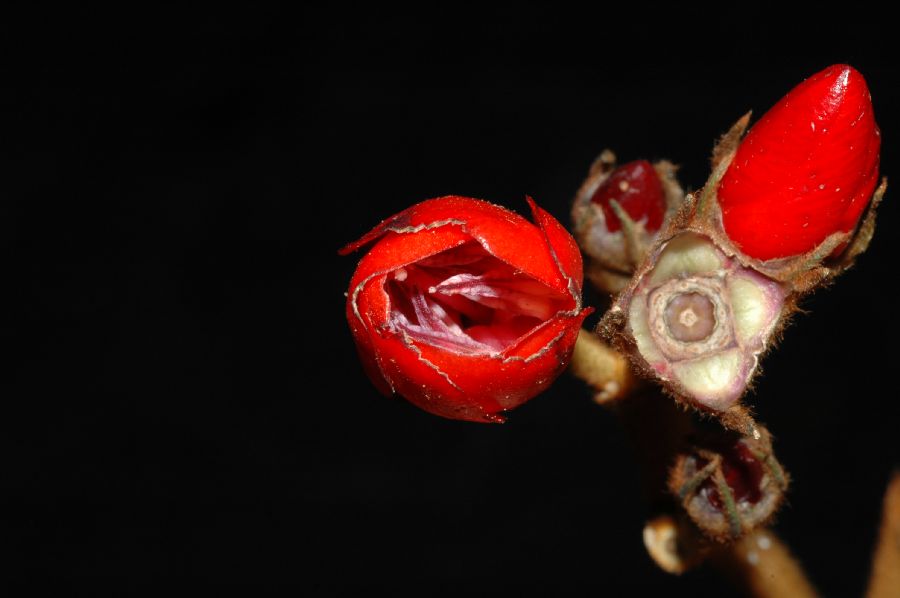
(657, 427)
(764, 567)
(759, 562)
(604, 369)
(884, 582)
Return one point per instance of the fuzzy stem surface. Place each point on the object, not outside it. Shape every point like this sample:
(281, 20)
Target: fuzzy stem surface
(764, 567)
(884, 581)
(604, 369)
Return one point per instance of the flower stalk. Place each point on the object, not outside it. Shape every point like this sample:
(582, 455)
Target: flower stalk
(602, 368)
(764, 567)
(884, 581)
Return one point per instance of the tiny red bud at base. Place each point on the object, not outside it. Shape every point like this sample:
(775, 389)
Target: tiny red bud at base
(742, 472)
(729, 485)
(465, 308)
(806, 170)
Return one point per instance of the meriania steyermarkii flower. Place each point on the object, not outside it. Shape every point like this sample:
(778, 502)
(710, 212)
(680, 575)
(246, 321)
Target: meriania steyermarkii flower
(465, 308)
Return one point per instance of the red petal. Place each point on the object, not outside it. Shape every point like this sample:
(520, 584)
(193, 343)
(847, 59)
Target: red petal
(503, 234)
(365, 347)
(637, 188)
(471, 387)
(806, 170)
(560, 243)
(478, 388)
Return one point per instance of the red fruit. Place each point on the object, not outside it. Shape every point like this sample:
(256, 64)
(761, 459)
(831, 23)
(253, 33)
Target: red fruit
(465, 308)
(806, 170)
(637, 188)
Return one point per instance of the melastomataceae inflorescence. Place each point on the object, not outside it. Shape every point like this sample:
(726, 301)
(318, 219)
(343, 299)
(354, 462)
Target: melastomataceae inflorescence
(785, 209)
(468, 310)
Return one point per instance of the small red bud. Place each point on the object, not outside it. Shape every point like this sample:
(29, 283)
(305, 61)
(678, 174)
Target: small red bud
(637, 189)
(806, 170)
(617, 214)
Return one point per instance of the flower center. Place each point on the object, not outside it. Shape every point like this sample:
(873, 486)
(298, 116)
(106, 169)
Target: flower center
(690, 317)
(743, 473)
(467, 301)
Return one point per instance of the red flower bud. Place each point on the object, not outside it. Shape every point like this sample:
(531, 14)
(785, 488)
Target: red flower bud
(806, 170)
(617, 214)
(636, 187)
(465, 308)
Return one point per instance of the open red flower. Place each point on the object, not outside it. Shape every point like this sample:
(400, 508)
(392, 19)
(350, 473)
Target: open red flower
(465, 308)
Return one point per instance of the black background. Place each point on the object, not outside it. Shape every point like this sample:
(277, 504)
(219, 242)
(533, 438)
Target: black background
(185, 399)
